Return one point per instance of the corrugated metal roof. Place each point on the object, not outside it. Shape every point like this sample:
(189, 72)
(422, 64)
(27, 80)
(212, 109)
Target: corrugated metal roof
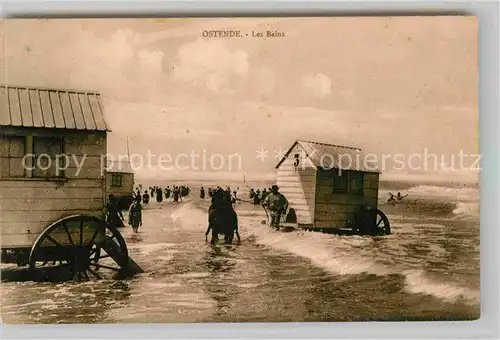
(117, 166)
(51, 108)
(331, 156)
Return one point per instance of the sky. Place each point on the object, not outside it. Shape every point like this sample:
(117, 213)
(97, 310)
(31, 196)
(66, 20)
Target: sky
(388, 85)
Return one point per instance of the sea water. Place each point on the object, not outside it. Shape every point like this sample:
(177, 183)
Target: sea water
(427, 269)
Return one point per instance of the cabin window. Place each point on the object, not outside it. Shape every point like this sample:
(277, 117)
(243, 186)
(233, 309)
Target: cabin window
(12, 151)
(356, 183)
(116, 180)
(48, 161)
(340, 180)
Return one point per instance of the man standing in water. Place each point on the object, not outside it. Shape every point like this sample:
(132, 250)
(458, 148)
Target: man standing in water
(114, 215)
(277, 204)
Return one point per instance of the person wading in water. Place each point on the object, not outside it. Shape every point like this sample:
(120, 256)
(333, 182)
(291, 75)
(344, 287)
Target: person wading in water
(277, 204)
(114, 215)
(135, 215)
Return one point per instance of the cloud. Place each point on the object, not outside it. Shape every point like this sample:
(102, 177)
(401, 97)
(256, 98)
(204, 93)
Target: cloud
(119, 65)
(210, 64)
(319, 84)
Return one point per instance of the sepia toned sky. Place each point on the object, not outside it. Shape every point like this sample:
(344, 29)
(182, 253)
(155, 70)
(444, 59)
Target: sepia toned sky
(384, 84)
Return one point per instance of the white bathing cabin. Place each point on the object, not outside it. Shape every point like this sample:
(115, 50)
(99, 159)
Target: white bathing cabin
(321, 195)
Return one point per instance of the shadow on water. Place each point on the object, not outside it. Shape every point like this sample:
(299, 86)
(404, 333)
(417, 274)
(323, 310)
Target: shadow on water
(219, 262)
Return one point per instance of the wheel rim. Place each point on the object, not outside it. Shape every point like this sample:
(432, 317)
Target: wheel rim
(382, 224)
(77, 242)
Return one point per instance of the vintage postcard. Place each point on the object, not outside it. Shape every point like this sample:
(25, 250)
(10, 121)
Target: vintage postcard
(239, 169)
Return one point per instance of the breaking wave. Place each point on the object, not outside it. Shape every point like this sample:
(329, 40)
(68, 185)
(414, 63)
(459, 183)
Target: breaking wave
(409, 252)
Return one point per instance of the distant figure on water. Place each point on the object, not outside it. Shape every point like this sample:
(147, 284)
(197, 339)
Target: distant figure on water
(159, 195)
(145, 197)
(277, 204)
(395, 198)
(401, 197)
(138, 194)
(114, 215)
(135, 215)
(256, 198)
(175, 194)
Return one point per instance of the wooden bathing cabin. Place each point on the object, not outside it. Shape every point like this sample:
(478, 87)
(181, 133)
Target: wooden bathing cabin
(49, 122)
(52, 186)
(120, 182)
(330, 188)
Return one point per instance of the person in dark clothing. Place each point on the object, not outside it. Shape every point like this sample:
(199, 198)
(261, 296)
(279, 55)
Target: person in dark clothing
(264, 195)
(175, 194)
(159, 195)
(145, 197)
(168, 192)
(277, 205)
(135, 215)
(138, 194)
(114, 215)
(256, 197)
(202, 193)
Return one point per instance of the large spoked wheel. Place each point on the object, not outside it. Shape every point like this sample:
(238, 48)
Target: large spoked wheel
(85, 246)
(382, 225)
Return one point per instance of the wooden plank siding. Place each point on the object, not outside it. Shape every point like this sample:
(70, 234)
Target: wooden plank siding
(336, 209)
(127, 187)
(34, 203)
(298, 186)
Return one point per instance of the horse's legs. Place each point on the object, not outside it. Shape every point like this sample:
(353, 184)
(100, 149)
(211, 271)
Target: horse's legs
(215, 236)
(228, 237)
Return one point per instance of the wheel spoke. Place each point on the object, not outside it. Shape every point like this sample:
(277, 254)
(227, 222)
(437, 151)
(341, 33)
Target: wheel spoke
(103, 266)
(76, 276)
(102, 257)
(94, 236)
(68, 234)
(55, 242)
(81, 232)
(378, 223)
(108, 238)
(95, 274)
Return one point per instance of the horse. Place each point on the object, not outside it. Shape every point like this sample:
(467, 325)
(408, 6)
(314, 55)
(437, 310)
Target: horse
(222, 219)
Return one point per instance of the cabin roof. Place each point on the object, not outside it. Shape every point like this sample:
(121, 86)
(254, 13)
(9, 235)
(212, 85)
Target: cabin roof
(331, 156)
(119, 167)
(36, 107)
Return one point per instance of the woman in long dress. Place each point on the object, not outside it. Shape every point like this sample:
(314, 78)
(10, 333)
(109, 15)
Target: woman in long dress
(135, 215)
